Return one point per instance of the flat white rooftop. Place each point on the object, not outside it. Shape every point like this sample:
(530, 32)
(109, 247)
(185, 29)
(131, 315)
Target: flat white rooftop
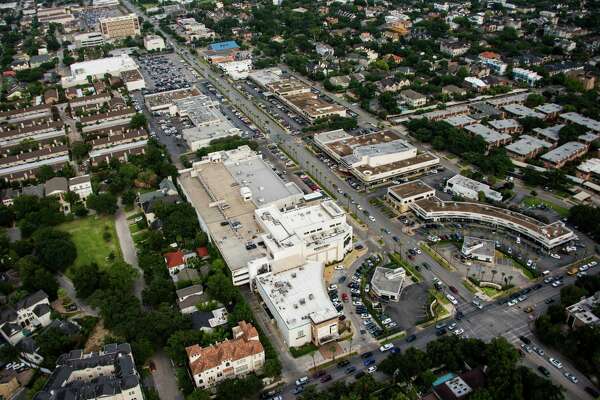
(299, 295)
(579, 119)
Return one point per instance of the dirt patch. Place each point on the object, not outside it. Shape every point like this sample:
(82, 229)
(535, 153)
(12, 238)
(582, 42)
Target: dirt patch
(329, 350)
(96, 339)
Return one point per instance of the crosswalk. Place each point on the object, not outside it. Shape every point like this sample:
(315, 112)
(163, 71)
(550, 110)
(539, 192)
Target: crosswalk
(513, 335)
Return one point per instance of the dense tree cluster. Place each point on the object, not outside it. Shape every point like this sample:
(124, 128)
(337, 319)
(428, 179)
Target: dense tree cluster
(444, 136)
(587, 219)
(226, 143)
(580, 345)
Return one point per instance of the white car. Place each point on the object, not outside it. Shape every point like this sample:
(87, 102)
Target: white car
(365, 316)
(592, 264)
(371, 218)
(452, 299)
(338, 267)
(386, 321)
(302, 381)
(331, 288)
(418, 251)
(359, 207)
(555, 362)
(584, 268)
(372, 369)
(512, 302)
(554, 255)
(357, 303)
(452, 326)
(386, 347)
(459, 331)
(556, 284)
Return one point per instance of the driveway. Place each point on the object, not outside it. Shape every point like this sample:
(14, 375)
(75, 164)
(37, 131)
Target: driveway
(164, 377)
(66, 284)
(128, 250)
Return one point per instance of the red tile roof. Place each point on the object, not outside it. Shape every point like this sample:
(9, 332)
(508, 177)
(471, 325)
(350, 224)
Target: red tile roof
(202, 251)
(174, 259)
(244, 345)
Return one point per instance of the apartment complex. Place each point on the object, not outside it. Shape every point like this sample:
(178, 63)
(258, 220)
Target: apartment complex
(120, 27)
(229, 359)
(375, 158)
(109, 374)
(468, 188)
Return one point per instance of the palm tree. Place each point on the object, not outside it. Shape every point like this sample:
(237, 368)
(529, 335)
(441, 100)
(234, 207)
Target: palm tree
(494, 272)
(333, 350)
(510, 278)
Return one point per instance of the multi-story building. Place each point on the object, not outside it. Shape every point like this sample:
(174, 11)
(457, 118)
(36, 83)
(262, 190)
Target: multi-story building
(527, 76)
(561, 155)
(27, 315)
(387, 283)
(293, 237)
(454, 48)
(109, 374)
(120, 27)
(469, 189)
(82, 185)
(583, 313)
(226, 360)
(301, 308)
(375, 158)
(413, 99)
(400, 196)
(88, 39)
(492, 137)
(527, 147)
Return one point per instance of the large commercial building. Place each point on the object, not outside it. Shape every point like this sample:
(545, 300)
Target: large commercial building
(547, 235)
(375, 158)
(468, 188)
(109, 374)
(299, 303)
(310, 233)
(114, 66)
(120, 27)
(227, 360)
(226, 188)
(208, 121)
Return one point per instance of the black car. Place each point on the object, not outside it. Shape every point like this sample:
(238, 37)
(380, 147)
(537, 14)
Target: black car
(343, 363)
(366, 355)
(441, 332)
(459, 315)
(350, 369)
(544, 371)
(359, 375)
(549, 300)
(411, 338)
(538, 286)
(592, 392)
(525, 340)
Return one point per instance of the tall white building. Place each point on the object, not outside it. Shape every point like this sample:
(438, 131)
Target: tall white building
(293, 237)
(298, 300)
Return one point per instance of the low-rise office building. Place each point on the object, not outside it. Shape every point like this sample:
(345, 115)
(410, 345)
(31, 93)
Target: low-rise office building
(227, 360)
(208, 121)
(88, 39)
(298, 300)
(400, 196)
(114, 66)
(583, 313)
(154, 43)
(375, 158)
(109, 374)
(468, 188)
(387, 283)
(561, 155)
(479, 249)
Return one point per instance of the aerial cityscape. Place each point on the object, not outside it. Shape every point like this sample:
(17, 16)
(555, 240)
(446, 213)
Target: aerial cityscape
(299, 199)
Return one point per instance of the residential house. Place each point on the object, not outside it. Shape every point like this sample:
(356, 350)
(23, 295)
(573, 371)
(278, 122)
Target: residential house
(391, 85)
(82, 185)
(27, 315)
(166, 193)
(58, 187)
(175, 261)
(207, 321)
(229, 359)
(188, 298)
(413, 99)
(51, 96)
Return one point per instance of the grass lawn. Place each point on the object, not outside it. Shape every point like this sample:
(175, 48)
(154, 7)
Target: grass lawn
(534, 202)
(88, 236)
(490, 291)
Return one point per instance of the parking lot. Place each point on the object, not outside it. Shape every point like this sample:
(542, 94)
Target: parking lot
(165, 72)
(89, 17)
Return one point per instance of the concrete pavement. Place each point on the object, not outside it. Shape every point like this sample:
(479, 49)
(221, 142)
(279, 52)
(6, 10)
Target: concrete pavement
(128, 250)
(65, 283)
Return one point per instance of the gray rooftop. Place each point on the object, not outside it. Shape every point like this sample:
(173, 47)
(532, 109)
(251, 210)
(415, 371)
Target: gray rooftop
(527, 144)
(522, 111)
(581, 120)
(563, 152)
(550, 133)
(488, 134)
(388, 279)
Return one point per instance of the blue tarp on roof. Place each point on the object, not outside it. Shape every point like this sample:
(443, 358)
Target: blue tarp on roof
(231, 44)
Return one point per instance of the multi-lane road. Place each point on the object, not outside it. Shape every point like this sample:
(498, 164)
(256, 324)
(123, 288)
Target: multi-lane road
(491, 321)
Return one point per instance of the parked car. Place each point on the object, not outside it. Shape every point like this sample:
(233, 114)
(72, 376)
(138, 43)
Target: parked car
(544, 371)
(386, 347)
(368, 354)
(372, 369)
(411, 338)
(350, 369)
(555, 362)
(326, 378)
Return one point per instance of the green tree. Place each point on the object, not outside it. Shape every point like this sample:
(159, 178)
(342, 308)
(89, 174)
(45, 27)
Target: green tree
(138, 121)
(103, 203)
(54, 249)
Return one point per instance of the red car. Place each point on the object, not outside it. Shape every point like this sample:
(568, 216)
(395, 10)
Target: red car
(326, 378)
(453, 289)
